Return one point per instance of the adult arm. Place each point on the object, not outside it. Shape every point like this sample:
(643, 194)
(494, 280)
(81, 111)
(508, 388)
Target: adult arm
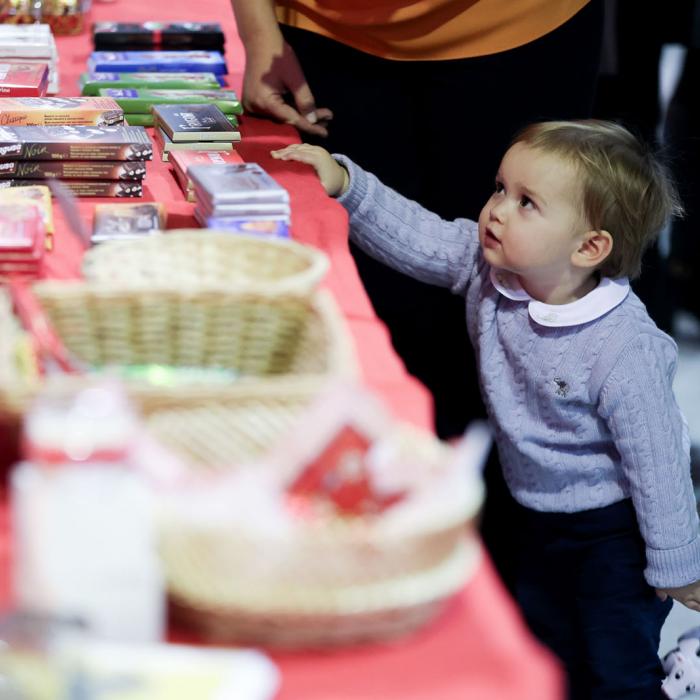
(272, 71)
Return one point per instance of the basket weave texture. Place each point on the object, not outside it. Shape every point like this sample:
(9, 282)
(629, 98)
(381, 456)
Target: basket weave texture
(334, 581)
(188, 257)
(260, 338)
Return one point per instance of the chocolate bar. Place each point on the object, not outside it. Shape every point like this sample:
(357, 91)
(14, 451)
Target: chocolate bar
(73, 170)
(135, 36)
(75, 143)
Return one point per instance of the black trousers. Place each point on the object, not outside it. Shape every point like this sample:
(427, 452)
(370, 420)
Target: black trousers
(435, 131)
(581, 588)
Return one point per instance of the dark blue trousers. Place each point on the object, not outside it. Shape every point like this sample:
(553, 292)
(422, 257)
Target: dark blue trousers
(581, 588)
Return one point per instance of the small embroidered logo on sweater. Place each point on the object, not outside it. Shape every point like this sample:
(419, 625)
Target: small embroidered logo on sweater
(562, 387)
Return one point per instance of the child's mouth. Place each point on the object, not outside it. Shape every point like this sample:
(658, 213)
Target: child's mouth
(490, 240)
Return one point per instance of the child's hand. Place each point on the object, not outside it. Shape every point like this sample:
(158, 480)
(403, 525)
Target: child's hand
(334, 177)
(688, 595)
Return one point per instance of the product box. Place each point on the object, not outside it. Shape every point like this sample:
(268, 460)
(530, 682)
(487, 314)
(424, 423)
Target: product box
(135, 36)
(166, 145)
(135, 101)
(22, 234)
(23, 79)
(150, 120)
(60, 111)
(232, 183)
(279, 229)
(194, 122)
(127, 220)
(91, 83)
(181, 160)
(35, 195)
(157, 61)
(73, 170)
(75, 143)
(91, 188)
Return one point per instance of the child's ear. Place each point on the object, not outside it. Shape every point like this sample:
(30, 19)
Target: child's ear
(594, 248)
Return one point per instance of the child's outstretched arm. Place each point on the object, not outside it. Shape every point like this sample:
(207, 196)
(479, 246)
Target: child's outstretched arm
(333, 176)
(393, 229)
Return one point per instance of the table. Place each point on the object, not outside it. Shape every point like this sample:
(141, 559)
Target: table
(479, 648)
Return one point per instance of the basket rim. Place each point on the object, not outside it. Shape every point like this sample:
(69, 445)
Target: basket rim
(401, 592)
(302, 282)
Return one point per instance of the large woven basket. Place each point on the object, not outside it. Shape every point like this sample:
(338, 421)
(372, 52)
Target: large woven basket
(257, 337)
(208, 259)
(332, 582)
(215, 430)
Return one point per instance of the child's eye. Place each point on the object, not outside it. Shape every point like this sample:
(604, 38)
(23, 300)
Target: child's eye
(526, 202)
(499, 187)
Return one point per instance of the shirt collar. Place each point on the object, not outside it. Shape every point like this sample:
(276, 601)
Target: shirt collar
(606, 296)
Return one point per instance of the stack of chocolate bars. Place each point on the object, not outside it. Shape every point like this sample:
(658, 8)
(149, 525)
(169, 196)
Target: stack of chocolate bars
(229, 196)
(92, 161)
(93, 83)
(22, 240)
(200, 127)
(137, 103)
(33, 46)
(183, 160)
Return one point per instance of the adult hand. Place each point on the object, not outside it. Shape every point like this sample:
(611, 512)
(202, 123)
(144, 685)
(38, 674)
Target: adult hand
(272, 73)
(688, 595)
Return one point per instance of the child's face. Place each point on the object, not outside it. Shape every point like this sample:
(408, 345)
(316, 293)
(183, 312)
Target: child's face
(533, 222)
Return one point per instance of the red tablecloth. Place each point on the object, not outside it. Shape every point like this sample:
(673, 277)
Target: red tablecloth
(479, 648)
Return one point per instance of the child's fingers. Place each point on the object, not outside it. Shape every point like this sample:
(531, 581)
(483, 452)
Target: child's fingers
(302, 152)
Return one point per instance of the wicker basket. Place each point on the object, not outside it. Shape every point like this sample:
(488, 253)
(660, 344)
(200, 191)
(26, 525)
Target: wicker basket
(332, 582)
(387, 610)
(218, 429)
(261, 338)
(188, 258)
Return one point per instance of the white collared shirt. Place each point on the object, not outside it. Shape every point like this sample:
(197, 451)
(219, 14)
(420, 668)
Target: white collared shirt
(605, 297)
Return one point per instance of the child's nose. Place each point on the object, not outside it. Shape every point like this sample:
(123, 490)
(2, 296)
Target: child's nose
(497, 212)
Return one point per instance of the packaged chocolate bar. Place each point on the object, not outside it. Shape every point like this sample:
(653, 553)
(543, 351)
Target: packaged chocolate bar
(75, 143)
(135, 101)
(22, 233)
(157, 61)
(194, 122)
(38, 195)
(233, 183)
(73, 170)
(92, 188)
(181, 160)
(91, 83)
(23, 78)
(149, 119)
(60, 111)
(127, 220)
(134, 36)
(166, 145)
(35, 195)
(267, 227)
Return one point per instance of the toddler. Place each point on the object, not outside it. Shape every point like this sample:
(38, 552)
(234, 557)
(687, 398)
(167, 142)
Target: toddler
(577, 381)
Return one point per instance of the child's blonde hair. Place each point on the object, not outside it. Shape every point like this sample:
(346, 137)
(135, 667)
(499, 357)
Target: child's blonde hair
(627, 191)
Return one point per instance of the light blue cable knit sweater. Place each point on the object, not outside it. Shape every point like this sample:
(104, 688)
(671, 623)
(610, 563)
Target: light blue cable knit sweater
(583, 415)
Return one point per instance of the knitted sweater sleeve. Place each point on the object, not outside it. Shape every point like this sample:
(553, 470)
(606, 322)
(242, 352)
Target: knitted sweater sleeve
(405, 236)
(651, 436)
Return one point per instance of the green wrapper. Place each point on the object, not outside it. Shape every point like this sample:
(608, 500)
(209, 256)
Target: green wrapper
(148, 119)
(135, 101)
(91, 83)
